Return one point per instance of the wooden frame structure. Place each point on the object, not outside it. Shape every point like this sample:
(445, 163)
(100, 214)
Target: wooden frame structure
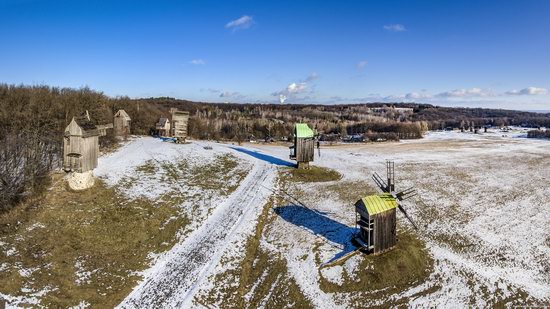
(80, 145)
(121, 123)
(377, 222)
(162, 127)
(303, 150)
(180, 121)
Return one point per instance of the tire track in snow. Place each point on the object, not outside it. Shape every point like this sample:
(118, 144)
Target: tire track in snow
(173, 280)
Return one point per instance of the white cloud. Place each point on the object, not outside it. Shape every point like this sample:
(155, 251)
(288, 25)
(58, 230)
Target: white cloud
(197, 62)
(395, 28)
(418, 96)
(244, 22)
(463, 93)
(361, 64)
(528, 91)
(293, 90)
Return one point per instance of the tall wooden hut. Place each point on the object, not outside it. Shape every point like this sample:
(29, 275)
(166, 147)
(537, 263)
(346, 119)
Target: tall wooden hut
(163, 127)
(122, 123)
(80, 145)
(180, 120)
(376, 220)
(303, 149)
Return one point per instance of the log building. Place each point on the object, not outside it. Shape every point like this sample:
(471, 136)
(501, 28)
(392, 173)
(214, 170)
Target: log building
(180, 120)
(162, 127)
(303, 149)
(376, 220)
(121, 123)
(80, 145)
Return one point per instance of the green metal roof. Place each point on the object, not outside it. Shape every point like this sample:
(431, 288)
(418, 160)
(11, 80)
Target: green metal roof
(302, 130)
(376, 204)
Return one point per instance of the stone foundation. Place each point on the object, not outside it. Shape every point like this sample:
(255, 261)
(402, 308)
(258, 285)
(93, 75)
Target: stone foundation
(80, 181)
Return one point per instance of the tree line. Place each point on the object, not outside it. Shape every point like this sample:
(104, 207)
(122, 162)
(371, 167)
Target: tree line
(32, 120)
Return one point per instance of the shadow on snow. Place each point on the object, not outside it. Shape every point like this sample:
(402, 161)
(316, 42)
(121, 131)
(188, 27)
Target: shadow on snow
(319, 224)
(264, 157)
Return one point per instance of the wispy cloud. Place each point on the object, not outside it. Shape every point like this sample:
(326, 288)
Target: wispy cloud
(243, 22)
(395, 28)
(313, 76)
(210, 90)
(528, 91)
(197, 62)
(418, 96)
(361, 64)
(465, 93)
(232, 95)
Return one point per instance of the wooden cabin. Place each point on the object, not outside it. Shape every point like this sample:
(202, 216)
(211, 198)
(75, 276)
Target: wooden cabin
(80, 145)
(121, 123)
(163, 127)
(303, 149)
(180, 120)
(376, 220)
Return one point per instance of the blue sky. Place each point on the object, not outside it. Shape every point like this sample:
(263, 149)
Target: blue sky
(459, 53)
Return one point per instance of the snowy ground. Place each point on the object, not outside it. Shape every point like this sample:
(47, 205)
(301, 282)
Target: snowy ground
(483, 205)
(483, 208)
(217, 220)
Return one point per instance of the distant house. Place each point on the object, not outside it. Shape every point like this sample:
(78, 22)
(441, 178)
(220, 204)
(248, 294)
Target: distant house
(80, 145)
(163, 127)
(121, 123)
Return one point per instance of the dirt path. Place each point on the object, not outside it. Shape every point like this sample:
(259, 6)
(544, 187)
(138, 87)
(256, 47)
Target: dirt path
(173, 280)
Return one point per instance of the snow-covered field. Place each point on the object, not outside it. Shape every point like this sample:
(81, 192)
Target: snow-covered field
(484, 211)
(483, 208)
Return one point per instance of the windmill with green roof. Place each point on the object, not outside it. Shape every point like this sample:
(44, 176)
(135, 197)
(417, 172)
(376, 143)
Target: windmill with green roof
(303, 149)
(376, 214)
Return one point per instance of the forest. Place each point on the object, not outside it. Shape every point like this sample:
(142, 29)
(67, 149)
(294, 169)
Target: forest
(32, 120)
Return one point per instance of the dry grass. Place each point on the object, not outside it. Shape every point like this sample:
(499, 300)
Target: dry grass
(83, 246)
(350, 192)
(313, 174)
(223, 175)
(260, 274)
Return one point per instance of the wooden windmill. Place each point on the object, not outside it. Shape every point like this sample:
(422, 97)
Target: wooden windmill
(303, 148)
(376, 214)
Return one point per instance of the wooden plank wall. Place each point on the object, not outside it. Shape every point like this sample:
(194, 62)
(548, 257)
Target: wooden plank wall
(87, 147)
(121, 126)
(305, 149)
(385, 231)
(179, 124)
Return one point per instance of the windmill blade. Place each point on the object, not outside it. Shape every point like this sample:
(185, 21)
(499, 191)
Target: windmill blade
(407, 215)
(405, 194)
(380, 182)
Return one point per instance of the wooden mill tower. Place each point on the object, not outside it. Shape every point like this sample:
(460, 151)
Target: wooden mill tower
(180, 119)
(376, 214)
(303, 149)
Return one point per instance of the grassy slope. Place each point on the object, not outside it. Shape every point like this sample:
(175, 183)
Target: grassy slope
(84, 245)
(88, 246)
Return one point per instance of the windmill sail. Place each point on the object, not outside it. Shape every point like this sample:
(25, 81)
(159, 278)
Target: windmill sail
(407, 215)
(405, 194)
(380, 182)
